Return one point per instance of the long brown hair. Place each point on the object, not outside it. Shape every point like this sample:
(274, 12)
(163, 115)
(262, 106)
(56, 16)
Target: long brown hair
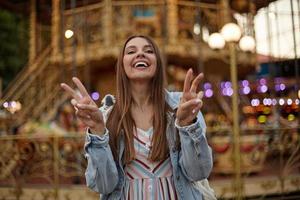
(121, 119)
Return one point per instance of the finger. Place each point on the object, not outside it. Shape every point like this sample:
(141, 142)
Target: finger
(73, 102)
(87, 122)
(190, 104)
(93, 114)
(200, 95)
(87, 107)
(196, 82)
(80, 86)
(187, 80)
(86, 101)
(188, 96)
(79, 113)
(197, 108)
(70, 91)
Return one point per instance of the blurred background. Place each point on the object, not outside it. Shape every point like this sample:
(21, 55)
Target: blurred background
(248, 50)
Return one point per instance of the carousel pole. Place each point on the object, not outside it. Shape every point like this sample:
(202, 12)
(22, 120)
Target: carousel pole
(55, 38)
(172, 18)
(32, 31)
(238, 183)
(107, 22)
(75, 40)
(295, 51)
(87, 78)
(55, 29)
(297, 89)
(198, 38)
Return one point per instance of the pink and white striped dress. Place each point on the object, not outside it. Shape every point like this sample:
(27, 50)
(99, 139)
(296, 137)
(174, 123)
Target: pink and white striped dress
(144, 179)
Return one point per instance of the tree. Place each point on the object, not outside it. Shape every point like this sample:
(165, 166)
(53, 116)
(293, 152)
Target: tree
(13, 45)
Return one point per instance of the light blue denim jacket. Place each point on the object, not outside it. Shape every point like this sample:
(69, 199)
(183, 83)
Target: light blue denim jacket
(192, 162)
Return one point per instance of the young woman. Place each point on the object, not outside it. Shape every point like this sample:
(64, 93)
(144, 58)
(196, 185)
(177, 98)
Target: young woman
(146, 143)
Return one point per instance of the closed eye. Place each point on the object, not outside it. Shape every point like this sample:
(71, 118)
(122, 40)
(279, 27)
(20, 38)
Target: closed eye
(149, 51)
(130, 52)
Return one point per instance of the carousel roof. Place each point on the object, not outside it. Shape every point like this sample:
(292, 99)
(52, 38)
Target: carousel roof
(22, 6)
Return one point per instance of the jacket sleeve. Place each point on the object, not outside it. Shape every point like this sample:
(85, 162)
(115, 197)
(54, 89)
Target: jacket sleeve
(101, 173)
(195, 156)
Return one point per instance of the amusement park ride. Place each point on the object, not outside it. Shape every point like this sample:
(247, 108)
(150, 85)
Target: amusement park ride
(82, 38)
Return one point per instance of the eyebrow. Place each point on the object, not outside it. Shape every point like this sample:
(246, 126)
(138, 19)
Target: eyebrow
(146, 46)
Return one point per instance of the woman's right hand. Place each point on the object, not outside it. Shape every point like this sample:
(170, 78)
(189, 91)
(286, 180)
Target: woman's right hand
(86, 109)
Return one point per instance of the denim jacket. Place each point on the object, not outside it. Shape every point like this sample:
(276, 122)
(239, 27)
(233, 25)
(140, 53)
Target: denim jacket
(190, 163)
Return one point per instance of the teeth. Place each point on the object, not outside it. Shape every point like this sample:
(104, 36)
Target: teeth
(140, 64)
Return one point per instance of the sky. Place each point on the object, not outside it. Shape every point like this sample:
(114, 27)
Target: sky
(281, 43)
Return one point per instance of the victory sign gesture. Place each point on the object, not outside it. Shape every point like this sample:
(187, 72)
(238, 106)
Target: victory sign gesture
(191, 101)
(86, 109)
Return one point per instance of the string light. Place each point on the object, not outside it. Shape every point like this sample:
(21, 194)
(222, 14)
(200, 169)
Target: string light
(69, 33)
(255, 102)
(281, 102)
(289, 102)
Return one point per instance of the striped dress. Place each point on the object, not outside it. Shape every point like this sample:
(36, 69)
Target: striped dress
(147, 180)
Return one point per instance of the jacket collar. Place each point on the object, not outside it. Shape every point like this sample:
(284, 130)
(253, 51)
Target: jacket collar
(172, 99)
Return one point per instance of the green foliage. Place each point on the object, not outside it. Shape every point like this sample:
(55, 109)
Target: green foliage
(13, 45)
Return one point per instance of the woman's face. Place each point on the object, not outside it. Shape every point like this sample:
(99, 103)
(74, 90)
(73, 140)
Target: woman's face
(139, 59)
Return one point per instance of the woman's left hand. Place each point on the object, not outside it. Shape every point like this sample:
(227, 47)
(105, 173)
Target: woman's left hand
(191, 101)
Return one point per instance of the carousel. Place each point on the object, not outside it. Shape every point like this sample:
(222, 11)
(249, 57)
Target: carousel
(252, 115)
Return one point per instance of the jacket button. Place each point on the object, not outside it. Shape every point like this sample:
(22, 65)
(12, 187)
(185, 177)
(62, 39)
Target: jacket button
(177, 177)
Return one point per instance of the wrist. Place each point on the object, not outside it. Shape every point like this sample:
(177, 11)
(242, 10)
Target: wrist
(97, 131)
(183, 123)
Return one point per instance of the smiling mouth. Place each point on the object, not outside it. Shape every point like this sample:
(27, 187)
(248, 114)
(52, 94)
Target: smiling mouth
(141, 65)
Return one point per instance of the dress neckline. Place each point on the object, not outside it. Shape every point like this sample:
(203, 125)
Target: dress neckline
(145, 131)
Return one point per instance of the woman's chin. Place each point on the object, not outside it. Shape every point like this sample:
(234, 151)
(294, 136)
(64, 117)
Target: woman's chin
(141, 78)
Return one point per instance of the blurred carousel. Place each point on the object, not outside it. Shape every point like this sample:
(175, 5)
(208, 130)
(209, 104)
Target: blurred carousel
(254, 136)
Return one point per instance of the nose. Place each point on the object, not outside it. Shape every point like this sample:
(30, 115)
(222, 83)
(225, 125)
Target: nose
(140, 54)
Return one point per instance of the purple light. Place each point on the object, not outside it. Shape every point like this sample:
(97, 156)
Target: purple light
(208, 93)
(229, 91)
(95, 96)
(267, 101)
(245, 83)
(255, 102)
(246, 90)
(207, 86)
(264, 88)
(274, 102)
(227, 84)
(282, 87)
(262, 81)
(5, 104)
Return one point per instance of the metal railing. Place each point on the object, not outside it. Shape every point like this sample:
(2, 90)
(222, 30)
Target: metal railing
(46, 160)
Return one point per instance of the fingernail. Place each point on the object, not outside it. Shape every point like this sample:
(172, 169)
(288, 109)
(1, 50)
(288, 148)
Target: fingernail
(193, 111)
(200, 94)
(197, 100)
(73, 102)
